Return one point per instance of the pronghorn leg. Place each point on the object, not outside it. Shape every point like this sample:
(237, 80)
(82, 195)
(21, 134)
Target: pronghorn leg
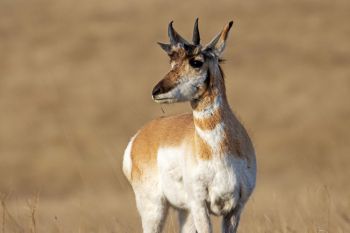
(201, 217)
(230, 221)
(153, 210)
(186, 222)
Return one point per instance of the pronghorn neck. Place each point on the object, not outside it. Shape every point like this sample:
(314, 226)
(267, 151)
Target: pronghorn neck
(213, 119)
(210, 105)
(215, 96)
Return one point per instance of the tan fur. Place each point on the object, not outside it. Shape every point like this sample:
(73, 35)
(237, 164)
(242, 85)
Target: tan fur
(209, 123)
(174, 130)
(203, 149)
(164, 131)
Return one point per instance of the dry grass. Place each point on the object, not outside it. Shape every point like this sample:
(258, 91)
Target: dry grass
(75, 83)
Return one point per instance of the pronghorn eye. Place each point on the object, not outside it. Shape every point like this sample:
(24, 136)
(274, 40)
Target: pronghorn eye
(196, 63)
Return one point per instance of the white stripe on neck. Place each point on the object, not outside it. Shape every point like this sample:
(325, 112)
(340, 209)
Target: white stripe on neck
(213, 137)
(209, 110)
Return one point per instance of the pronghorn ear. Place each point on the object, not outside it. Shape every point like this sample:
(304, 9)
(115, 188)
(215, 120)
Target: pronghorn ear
(217, 45)
(165, 47)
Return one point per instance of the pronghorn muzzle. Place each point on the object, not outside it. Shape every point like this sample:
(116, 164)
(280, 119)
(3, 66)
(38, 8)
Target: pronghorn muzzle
(163, 87)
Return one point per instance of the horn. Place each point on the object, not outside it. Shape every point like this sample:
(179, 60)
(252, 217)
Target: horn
(165, 47)
(171, 33)
(196, 37)
(174, 36)
(220, 36)
(213, 42)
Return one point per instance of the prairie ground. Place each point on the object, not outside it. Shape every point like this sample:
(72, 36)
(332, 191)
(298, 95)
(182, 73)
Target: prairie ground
(75, 84)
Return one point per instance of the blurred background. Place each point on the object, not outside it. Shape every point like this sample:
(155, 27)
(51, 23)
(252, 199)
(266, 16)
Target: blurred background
(75, 85)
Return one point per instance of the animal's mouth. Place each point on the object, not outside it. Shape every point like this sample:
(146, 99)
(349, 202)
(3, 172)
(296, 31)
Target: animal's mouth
(163, 100)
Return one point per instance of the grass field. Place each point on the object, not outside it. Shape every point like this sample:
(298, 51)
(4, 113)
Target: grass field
(75, 85)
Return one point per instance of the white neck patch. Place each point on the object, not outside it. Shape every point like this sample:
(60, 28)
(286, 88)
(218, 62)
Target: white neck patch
(213, 137)
(209, 110)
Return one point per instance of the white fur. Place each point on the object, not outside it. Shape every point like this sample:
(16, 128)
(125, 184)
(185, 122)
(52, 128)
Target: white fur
(188, 185)
(127, 162)
(171, 168)
(213, 137)
(151, 205)
(210, 110)
(186, 90)
(195, 188)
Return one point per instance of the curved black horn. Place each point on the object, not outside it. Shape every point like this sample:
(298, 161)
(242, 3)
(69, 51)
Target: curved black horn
(171, 33)
(196, 37)
(174, 36)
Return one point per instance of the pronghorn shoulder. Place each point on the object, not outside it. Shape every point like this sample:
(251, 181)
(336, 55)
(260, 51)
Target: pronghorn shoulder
(170, 131)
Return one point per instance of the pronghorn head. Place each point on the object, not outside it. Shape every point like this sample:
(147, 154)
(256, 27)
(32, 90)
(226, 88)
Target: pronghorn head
(192, 66)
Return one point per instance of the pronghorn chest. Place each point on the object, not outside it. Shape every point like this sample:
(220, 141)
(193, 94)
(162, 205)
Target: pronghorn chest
(214, 181)
(218, 168)
(219, 177)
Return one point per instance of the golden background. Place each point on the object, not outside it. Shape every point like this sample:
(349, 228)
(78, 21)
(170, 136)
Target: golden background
(75, 85)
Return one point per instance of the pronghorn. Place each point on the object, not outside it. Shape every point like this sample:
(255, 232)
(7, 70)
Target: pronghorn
(200, 163)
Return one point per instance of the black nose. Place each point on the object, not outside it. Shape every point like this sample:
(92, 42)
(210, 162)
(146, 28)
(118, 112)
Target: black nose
(157, 89)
